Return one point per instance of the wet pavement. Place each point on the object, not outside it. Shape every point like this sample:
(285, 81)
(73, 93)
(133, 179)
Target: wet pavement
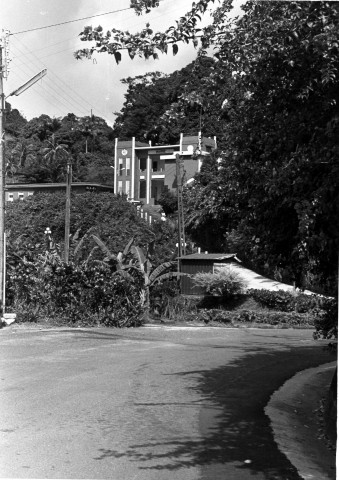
(147, 403)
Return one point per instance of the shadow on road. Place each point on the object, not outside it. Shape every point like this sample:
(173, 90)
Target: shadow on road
(236, 435)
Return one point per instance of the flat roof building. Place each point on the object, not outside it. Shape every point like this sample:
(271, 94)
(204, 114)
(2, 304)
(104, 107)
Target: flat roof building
(143, 172)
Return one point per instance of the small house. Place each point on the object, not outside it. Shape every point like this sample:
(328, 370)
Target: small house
(202, 262)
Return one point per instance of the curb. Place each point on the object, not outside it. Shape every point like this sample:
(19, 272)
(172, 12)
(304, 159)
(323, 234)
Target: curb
(292, 411)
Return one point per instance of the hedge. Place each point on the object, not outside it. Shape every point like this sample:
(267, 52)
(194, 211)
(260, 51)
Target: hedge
(289, 319)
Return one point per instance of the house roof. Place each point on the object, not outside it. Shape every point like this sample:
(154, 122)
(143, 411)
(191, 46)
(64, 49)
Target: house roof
(15, 186)
(210, 256)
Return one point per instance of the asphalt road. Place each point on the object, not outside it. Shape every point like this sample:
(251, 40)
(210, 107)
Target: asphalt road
(148, 403)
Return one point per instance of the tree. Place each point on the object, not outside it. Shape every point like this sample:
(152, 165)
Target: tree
(30, 157)
(274, 190)
(146, 43)
(275, 83)
(14, 120)
(55, 156)
(159, 107)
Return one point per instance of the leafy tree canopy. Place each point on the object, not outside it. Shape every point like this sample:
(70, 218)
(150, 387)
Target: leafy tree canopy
(35, 151)
(271, 192)
(159, 107)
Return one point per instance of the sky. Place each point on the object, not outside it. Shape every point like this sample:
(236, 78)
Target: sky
(79, 86)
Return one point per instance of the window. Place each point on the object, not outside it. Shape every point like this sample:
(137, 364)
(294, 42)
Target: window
(10, 197)
(120, 187)
(155, 166)
(121, 163)
(143, 164)
(21, 195)
(128, 188)
(142, 188)
(128, 166)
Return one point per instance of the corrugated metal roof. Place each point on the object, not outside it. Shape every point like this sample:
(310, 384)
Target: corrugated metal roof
(210, 256)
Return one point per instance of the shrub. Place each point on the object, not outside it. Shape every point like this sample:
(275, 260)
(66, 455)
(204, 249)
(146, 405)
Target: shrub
(161, 297)
(326, 322)
(285, 301)
(90, 294)
(323, 310)
(287, 319)
(275, 300)
(224, 283)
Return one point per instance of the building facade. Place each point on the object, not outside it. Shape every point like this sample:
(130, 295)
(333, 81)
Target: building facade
(17, 191)
(143, 171)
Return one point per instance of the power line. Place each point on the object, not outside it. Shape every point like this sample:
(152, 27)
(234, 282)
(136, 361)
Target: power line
(71, 100)
(71, 21)
(76, 99)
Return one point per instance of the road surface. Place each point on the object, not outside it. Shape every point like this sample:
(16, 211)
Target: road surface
(148, 403)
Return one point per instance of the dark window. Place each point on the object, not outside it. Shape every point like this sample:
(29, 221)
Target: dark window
(143, 163)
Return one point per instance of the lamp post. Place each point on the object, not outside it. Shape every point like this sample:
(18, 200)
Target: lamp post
(18, 91)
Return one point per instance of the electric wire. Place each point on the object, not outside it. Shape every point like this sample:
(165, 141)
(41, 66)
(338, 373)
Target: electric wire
(73, 101)
(46, 86)
(37, 91)
(68, 87)
(71, 21)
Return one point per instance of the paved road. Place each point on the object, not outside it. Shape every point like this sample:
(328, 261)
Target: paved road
(148, 403)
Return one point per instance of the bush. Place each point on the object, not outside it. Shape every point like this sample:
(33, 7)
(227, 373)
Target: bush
(323, 310)
(225, 283)
(285, 301)
(161, 297)
(287, 319)
(90, 294)
(275, 300)
(326, 322)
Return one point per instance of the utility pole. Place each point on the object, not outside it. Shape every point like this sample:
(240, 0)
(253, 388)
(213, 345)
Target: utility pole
(3, 73)
(181, 223)
(68, 208)
(4, 70)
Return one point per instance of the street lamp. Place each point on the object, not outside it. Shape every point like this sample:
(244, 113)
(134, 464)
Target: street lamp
(16, 92)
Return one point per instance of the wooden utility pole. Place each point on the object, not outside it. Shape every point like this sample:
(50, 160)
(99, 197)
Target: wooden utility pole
(181, 224)
(68, 208)
(2, 179)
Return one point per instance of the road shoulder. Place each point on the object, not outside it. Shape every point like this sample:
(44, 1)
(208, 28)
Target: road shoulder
(292, 411)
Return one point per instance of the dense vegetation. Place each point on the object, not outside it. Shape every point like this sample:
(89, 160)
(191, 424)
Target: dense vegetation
(270, 193)
(270, 94)
(37, 150)
(159, 107)
(109, 216)
(98, 285)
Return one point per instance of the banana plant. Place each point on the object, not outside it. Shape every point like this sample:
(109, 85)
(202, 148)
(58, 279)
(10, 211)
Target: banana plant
(134, 258)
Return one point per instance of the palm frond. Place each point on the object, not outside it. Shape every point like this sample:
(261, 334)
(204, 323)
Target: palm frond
(82, 241)
(161, 269)
(168, 275)
(138, 254)
(103, 247)
(90, 255)
(128, 247)
(76, 236)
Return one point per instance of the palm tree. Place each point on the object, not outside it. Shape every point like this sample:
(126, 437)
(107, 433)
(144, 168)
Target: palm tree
(23, 152)
(17, 158)
(56, 155)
